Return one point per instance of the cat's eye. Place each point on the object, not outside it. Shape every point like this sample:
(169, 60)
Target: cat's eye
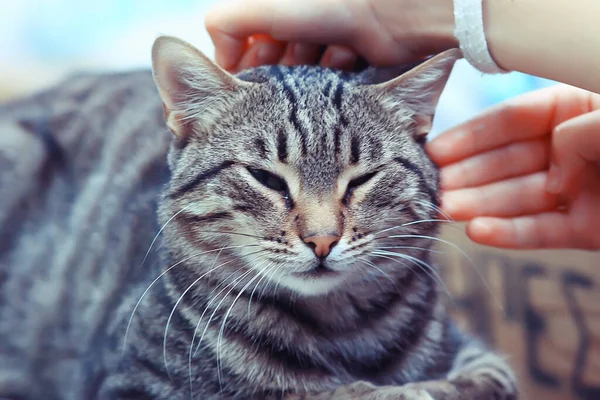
(356, 182)
(361, 180)
(270, 180)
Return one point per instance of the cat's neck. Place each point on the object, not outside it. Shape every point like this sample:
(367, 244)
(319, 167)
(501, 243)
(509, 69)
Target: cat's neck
(364, 332)
(352, 305)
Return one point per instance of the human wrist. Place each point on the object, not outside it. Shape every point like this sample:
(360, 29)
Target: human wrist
(423, 27)
(495, 16)
(436, 25)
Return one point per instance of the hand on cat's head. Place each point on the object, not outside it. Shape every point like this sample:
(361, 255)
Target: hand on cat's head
(525, 174)
(331, 33)
(304, 169)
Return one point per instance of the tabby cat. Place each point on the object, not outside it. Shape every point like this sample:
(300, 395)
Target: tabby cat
(274, 244)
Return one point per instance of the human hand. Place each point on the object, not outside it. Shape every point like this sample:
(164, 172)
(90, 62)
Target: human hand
(526, 173)
(291, 32)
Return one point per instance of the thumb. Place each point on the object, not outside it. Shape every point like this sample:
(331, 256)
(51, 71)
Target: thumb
(575, 143)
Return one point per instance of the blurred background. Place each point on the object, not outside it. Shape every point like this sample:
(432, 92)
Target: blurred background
(42, 41)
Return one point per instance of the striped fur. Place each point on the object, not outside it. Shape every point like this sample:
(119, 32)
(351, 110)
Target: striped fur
(227, 301)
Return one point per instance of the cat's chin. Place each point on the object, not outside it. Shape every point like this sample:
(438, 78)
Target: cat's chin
(315, 282)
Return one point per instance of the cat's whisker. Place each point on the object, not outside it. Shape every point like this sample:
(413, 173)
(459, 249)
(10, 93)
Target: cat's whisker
(160, 276)
(435, 208)
(454, 246)
(376, 233)
(372, 265)
(371, 274)
(370, 271)
(270, 278)
(421, 221)
(427, 268)
(411, 248)
(212, 268)
(280, 266)
(159, 232)
(175, 307)
(223, 324)
(213, 299)
(232, 285)
(253, 290)
(237, 234)
(391, 259)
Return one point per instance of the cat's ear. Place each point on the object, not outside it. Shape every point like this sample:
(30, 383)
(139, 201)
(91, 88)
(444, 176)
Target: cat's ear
(194, 90)
(415, 93)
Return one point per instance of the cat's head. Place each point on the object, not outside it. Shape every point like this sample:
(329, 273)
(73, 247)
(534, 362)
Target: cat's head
(308, 176)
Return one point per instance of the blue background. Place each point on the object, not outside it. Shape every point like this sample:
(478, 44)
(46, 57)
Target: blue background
(42, 41)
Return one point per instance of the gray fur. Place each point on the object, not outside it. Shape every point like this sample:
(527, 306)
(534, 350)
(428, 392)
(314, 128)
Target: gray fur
(91, 176)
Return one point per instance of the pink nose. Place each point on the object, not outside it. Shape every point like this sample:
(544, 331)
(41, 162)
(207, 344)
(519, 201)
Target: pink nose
(321, 245)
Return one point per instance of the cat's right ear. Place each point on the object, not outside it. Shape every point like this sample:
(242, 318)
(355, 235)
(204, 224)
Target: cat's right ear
(194, 90)
(413, 96)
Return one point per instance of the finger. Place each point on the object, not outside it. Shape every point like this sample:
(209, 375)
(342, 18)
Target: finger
(518, 159)
(301, 54)
(260, 52)
(230, 23)
(575, 143)
(526, 117)
(545, 230)
(339, 57)
(509, 198)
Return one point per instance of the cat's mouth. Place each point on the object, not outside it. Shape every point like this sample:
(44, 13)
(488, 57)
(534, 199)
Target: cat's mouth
(320, 271)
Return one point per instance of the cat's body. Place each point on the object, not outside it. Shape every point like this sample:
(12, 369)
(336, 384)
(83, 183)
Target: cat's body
(84, 177)
(82, 167)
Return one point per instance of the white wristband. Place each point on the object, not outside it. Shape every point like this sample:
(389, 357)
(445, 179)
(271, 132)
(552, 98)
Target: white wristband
(468, 20)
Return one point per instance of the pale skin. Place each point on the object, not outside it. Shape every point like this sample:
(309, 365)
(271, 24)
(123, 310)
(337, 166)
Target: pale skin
(524, 174)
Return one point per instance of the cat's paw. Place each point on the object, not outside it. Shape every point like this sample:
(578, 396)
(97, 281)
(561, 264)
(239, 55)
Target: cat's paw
(361, 390)
(417, 391)
(400, 393)
(431, 390)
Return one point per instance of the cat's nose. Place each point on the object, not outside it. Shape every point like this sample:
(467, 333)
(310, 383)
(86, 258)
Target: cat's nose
(321, 245)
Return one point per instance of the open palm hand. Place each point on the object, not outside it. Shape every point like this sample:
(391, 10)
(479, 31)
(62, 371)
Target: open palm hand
(526, 173)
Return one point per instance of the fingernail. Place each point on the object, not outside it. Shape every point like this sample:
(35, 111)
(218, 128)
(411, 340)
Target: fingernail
(553, 180)
(269, 52)
(301, 52)
(340, 58)
(265, 54)
(480, 228)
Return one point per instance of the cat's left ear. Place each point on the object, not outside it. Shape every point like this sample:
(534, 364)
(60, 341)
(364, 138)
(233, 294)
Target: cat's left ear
(415, 94)
(195, 91)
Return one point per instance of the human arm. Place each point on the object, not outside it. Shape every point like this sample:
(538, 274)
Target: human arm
(553, 39)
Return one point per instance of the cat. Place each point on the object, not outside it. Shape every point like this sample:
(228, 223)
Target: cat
(271, 240)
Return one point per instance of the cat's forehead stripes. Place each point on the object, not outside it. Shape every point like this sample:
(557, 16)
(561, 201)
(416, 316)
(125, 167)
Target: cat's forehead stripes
(318, 133)
(354, 150)
(261, 147)
(282, 151)
(288, 89)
